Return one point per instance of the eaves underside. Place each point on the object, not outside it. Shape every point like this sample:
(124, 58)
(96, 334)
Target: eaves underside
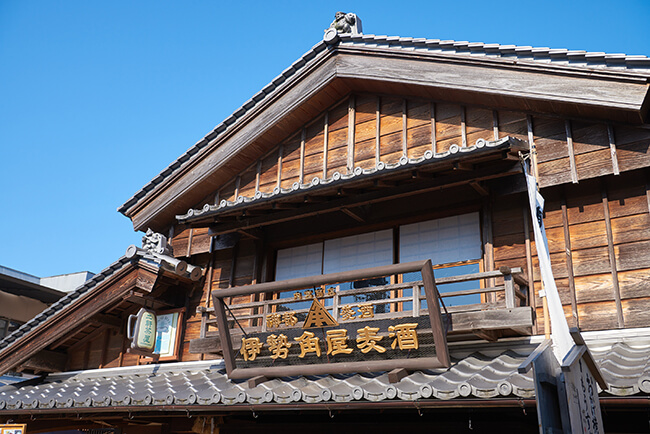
(172, 193)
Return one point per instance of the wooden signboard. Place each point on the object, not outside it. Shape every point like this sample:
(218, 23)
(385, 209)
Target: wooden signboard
(343, 337)
(566, 393)
(13, 428)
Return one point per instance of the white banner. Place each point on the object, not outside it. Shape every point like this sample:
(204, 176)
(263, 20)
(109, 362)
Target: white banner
(562, 340)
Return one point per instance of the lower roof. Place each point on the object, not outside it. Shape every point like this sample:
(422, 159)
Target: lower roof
(485, 371)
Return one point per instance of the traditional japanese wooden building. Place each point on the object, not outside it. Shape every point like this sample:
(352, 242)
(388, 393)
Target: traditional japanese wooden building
(337, 182)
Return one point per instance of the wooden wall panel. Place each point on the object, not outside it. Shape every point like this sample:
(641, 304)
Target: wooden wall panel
(269, 172)
(418, 128)
(390, 126)
(290, 163)
(247, 182)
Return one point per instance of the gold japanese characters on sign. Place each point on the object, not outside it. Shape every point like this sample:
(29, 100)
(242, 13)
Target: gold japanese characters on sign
(316, 292)
(319, 317)
(404, 337)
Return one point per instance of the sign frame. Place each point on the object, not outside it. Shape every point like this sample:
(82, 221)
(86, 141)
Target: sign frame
(441, 360)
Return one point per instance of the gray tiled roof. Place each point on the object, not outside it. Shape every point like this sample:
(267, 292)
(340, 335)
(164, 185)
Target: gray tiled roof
(479, 371)
(637, 64)
(318, 182)
(64, 302)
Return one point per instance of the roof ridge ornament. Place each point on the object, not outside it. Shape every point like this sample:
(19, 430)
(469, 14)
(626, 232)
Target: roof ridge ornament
(343, 23)
(155, 248)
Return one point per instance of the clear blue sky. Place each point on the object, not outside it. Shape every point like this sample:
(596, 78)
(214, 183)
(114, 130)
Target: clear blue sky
(97, 97)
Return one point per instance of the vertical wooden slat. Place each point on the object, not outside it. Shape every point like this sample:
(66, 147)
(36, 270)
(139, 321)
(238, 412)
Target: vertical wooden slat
(509, 291)
(189, 243)
(377, 131)
(572, 157)
(303, 136)
(463, 126)
(612, 149)
(612, 260)
(529, 262)
(325, 141)
(488, 243)
(237, 186)
(404, 127)
(532, 147)
(647, 190)
(351, 117)
(495, 124)
(279, 177)
(416, 300)
(434, 147)
(569, 261)
(258, 173)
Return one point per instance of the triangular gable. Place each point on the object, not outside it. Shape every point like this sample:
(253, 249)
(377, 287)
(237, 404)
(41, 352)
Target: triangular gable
(476, 74)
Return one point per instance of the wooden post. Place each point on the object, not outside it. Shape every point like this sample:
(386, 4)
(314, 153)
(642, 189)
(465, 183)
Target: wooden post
(495, 124)
(404, 127)
(303, 136)
(509, 290)
(463, 126)
(434, 147)
(378, 132)
(258, 173)
(572, 157)
(278, 182)
(612, 260)
(612, 148)
(488, 243)
(416, 300)
(351, 120)
(569, 261)
(325, 141)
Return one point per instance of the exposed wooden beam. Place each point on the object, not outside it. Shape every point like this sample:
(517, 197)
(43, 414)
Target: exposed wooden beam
(308, 210)
(254, 233)
(145, 300)
(355, 215)
(483, 191)
(488, 335)
(107, 320)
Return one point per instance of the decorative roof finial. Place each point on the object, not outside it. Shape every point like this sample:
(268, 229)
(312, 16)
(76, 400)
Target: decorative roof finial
(343, 23)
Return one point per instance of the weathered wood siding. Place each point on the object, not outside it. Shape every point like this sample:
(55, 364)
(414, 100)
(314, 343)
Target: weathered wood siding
(598, 224)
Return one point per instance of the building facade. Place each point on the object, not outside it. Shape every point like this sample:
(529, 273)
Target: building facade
(369, 153)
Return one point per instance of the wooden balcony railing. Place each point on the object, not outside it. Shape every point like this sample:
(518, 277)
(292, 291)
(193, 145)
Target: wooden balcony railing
(502, 311)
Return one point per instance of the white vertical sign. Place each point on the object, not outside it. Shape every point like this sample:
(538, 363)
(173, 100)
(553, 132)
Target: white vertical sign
(582, 409)
(562, 340)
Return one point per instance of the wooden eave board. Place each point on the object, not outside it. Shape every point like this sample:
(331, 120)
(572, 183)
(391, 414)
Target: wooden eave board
(556, 90)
